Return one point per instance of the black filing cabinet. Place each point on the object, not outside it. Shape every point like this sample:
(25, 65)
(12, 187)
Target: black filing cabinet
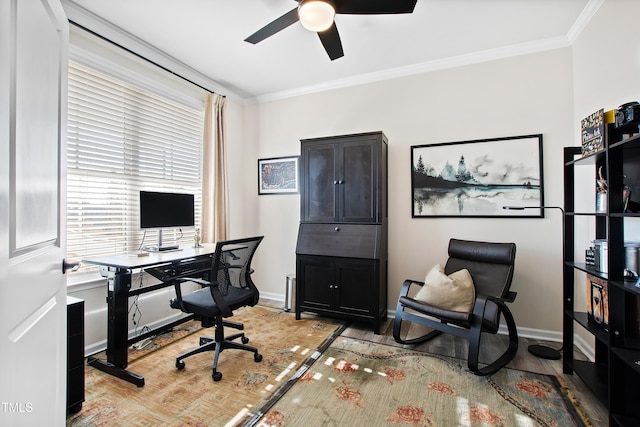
(75, 354)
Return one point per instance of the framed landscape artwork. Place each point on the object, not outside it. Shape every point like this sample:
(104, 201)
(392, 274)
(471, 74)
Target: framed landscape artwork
(278, 175)
(477, 178)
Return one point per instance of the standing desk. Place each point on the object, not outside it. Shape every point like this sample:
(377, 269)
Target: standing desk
(185, 262)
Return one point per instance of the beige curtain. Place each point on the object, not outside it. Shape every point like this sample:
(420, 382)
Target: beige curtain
(215, 201)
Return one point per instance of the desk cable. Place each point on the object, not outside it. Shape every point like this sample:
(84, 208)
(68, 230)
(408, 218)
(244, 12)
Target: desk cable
(134, 308)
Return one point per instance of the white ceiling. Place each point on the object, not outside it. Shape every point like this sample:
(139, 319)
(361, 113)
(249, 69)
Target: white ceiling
(208, 36)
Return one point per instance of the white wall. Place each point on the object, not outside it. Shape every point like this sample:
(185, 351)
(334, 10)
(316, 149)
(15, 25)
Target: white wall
(517, 96)
(607, 59)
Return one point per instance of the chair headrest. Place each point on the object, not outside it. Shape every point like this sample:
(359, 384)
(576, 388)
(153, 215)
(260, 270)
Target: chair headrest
(496, 253)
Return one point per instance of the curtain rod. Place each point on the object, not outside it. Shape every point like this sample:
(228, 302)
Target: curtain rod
(140, 56)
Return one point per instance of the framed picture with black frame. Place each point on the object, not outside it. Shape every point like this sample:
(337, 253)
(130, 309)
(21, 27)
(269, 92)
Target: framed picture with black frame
(478, 178)
(279, 175)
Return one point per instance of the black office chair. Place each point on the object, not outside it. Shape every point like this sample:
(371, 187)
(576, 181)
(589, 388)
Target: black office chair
(230, 287)
(491, 267)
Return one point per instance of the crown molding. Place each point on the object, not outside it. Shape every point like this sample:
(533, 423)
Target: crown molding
(583, 20)
(425, 67)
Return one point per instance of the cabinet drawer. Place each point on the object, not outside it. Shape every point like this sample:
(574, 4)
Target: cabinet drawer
(341, 240)
(75, 316)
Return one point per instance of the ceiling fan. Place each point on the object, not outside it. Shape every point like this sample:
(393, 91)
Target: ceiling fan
(317, 16)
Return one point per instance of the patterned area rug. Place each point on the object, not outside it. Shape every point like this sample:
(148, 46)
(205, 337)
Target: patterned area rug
(359, 383)
(190, 397)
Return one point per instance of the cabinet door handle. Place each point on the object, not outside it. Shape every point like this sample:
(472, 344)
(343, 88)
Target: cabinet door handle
(335, 182)
(337, 229)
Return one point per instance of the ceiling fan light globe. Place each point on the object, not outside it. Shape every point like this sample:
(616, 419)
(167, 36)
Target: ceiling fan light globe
(316, 15)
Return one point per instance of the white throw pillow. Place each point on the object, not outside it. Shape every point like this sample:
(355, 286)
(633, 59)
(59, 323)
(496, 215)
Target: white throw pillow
(454, 292)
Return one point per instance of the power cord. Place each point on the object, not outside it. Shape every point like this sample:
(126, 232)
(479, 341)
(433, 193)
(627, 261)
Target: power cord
(144, 235)
(136, 317)
(134, 308)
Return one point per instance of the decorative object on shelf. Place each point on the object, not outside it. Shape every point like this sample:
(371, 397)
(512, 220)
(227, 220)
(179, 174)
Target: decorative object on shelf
(626, 197)
(628, 117)
(475, 178)
(631, 259)
(601, 192)
(278, 175)
(609, 117)
(543, 351)
(601, 255)
(196, 239)
(597, 301)
(592, 130)
(628, 205)
(590, 256)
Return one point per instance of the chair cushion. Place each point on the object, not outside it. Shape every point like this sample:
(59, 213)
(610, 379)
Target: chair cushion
(201, 302)
(454, 292)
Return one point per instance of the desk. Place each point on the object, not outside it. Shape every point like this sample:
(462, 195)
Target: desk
(118, 270)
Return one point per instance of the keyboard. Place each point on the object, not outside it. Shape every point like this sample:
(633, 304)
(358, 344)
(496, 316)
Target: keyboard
(182, 268)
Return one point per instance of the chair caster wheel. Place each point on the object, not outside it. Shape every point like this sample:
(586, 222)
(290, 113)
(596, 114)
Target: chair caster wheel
(179, 365)
(217, 376)
(245, 340)
(257, 357)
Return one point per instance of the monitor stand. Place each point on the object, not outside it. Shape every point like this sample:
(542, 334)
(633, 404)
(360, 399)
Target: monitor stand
(161, 247)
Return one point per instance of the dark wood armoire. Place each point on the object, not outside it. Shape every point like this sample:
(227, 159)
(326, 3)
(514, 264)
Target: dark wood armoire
(341, 254)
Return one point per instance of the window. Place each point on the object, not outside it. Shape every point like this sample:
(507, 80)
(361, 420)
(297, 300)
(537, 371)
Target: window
(122, 139)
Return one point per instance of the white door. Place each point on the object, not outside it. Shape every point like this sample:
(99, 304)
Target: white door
(33, 75)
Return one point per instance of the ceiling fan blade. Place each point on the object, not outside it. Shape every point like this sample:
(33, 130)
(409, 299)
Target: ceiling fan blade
(374, 7)
(331, 41)
(273, 27)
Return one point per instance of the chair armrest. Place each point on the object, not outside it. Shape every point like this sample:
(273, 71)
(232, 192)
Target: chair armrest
(225, 311)
(510, 296)
(213, 288)
(177, 286)
(200, 282)
(406, 286)
(481, 302)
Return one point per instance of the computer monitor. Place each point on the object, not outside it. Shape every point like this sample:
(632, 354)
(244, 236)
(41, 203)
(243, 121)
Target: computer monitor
(160, 210)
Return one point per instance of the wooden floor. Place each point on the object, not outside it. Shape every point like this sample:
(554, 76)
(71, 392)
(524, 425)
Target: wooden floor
(448, 345)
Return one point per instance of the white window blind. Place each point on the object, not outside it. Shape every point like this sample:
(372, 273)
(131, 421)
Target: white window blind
(120, 140)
